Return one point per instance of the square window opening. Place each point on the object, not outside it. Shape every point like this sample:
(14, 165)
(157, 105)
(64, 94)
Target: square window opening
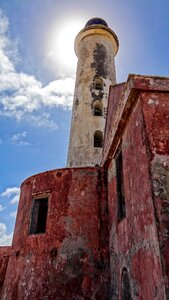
(39, 216)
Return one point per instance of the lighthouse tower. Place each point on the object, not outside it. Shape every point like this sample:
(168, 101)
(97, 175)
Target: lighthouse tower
(96, 46)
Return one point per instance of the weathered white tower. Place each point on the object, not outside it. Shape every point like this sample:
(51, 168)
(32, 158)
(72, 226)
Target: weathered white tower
(96, 46)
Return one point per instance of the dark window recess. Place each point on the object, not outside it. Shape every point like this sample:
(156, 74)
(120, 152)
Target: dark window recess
(98, 108)
(120, 186)
(39, 215)
(98, 111)
(126, 295)
(98, 139)
(98, 84)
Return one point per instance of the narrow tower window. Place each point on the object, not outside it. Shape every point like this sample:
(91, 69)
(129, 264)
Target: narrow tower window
(98, 139)
(98, 84)
(39, 215)
(120, 186)
(126, 295)
(98, 108)
(98, 111)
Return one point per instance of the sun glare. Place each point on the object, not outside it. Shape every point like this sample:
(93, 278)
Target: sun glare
(62, 45)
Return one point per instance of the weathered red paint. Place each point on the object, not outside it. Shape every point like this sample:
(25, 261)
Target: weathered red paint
(140, 241)
(134, 241)
(5, 253)
(84, 243)
(115, 97)
(67, 261)
(156, 115)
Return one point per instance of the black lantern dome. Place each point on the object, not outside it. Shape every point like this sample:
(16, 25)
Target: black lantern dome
(96, 21)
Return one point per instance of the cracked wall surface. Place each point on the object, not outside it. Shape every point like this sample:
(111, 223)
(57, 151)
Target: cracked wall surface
(95, 60)
(139, 242)
(70, 260)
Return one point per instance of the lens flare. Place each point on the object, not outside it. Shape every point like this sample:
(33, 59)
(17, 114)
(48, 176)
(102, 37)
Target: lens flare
(62, 45)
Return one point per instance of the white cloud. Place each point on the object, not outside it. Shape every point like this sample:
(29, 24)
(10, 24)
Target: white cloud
(22, 96)
(12, 193)
(18, 139)
(43, 121)
(2, 207)
(15, 199)
(18, 136)
(5, 239)
(13, 214)
(3, 23)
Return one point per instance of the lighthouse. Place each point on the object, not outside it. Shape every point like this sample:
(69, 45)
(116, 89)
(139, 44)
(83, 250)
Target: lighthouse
(95, 46)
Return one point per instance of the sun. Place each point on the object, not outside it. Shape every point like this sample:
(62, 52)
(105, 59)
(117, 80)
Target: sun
(62, 44)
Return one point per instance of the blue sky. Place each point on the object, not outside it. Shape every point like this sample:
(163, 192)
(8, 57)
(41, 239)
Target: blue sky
(37, 71)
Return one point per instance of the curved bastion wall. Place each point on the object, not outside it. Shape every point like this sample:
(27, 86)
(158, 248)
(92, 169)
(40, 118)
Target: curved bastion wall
(69, 259)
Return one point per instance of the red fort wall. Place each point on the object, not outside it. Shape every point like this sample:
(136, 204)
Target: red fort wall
(69, 261)
(139, 242)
